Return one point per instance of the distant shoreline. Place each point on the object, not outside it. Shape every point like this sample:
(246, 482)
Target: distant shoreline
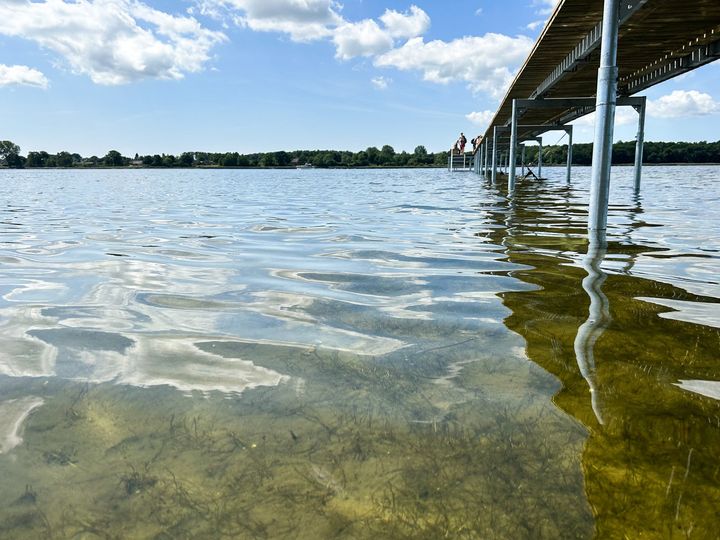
(292, 168)
(654, 153)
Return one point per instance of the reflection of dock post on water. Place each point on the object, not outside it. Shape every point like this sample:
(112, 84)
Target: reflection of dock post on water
(573, 70)
(598, 316)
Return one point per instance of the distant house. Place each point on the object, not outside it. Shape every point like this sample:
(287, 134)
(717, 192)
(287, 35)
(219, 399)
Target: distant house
(136, 163)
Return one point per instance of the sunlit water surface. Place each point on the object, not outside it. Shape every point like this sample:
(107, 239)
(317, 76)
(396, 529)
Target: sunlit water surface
(357, 354)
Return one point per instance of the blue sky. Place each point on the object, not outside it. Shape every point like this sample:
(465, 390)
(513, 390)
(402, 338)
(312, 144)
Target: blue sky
(160, 76)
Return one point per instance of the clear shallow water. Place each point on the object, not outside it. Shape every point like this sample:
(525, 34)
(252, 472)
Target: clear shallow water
(317, 354)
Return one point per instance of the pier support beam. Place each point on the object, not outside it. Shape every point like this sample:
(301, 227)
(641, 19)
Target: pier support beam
(539, 141)
(478, 157)
(513, 147)
(569, 152)
(522, 160)
(485, 159)
(604, 118)
(494, 156)
(639, 142)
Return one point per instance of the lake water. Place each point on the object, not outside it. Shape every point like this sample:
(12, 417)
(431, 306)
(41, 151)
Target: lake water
(357, 354)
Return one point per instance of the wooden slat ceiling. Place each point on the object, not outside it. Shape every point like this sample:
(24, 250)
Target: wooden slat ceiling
(657, 29)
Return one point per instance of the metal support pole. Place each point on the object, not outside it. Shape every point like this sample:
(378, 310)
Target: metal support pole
(539, 140)
(485, 160)
(569, 152)
(494, 156)
(639, 142)
(481, 159)
(513, 147)
(604, 118)
(522, 160)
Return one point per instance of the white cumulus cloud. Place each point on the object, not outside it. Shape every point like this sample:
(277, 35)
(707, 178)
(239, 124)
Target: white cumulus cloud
(545, 7)
(22, 75)
(302, 20)
(368, 38)
(481, 118)
(483, 62)
(406, 25)
(535, 25)
(683, 103)
(112, 41)
(623, 116)
(311, 20)
(677, 104)
(364, 38)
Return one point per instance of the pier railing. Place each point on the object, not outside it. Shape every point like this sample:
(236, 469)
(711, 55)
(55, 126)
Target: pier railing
(460, 162)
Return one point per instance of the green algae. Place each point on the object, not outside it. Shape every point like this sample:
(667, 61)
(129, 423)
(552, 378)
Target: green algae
(392, 459)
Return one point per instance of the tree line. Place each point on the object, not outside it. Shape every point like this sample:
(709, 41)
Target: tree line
(623, 153)
(371, 157)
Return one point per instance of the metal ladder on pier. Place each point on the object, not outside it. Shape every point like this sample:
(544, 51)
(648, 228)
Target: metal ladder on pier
(461, 162)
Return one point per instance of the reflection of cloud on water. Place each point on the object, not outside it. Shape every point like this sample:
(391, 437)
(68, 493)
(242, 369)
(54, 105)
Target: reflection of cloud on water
(115, 334)
(36, 290)
(705, 313)
(13, 413)
(123, 278)
(178, 362)
(145, 360)
(22, 355)
(709, 389)
(136, 321)
(692, 273)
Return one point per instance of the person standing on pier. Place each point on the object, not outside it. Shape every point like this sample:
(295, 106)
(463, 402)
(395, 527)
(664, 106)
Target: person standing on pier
(462, 141)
